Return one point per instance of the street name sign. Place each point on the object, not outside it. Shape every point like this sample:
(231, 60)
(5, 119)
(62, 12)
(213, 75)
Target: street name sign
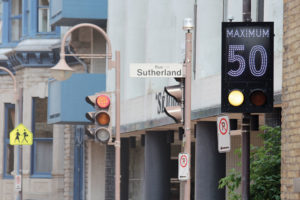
(20, 136)
(223, 127)
(160, 70)
(183, 166)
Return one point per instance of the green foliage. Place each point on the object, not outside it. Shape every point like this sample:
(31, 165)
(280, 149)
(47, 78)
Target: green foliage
(265, 162)
(232, 181)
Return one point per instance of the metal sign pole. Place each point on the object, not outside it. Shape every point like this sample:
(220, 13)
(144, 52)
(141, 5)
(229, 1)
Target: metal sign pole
(246, 127)
(187, 114)
(20, 147)
(246, 156)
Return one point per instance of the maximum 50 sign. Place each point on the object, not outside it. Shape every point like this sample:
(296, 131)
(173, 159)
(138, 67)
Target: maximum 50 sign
(247, 62)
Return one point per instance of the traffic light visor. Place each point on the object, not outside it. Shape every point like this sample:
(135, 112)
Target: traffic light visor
(103, 101)
(174, 112)
(236, 98)
(175, 91)
(258, 98)
(102, 118)
(90, 116)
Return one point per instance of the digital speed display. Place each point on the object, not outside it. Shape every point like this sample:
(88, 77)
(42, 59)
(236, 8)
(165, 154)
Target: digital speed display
(247, 59)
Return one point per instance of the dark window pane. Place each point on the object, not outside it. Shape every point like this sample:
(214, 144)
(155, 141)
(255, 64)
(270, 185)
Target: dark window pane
(43, 136)
(43, 19)
(41, 129)
(9, 159)
(10, 120)
(9, 149)
(16, 29)
(16, 7)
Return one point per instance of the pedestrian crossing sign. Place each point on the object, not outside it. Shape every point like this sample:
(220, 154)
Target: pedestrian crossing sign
(20, 136)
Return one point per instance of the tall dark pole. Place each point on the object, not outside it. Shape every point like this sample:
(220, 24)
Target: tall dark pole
(245, 156)
(246, 127)
(118, 137)
(247, 10)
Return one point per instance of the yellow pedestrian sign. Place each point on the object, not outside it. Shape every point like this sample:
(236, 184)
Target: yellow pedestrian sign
(20, 136)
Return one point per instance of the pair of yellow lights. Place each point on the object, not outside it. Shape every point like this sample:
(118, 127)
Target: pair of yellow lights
(257, 98)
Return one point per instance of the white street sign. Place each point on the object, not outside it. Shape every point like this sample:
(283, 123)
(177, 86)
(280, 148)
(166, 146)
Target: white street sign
(18, 182)
(183, 166)
(145, 70)
(223, 127)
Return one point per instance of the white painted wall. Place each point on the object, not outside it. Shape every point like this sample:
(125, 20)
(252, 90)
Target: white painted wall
(274, 12)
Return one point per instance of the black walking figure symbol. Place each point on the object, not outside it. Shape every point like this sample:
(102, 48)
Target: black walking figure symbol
(17, 136)
(25, 135)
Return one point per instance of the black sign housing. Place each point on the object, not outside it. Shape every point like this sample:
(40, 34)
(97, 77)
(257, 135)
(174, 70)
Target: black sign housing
(247, 64)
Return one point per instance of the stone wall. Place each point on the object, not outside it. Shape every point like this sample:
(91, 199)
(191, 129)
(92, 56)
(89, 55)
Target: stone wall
(34, 82)
(69, 162)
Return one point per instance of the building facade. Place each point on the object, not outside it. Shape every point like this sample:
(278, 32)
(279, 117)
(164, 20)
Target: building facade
(63, 162)
(29, 47)
(159, 38)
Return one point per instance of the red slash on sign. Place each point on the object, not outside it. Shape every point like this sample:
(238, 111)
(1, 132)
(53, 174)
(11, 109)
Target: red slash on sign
(183, 161)
(223, 126)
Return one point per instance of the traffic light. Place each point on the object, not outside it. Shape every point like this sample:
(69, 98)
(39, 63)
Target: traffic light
(247, 67)
(176, 112)
(101, 117)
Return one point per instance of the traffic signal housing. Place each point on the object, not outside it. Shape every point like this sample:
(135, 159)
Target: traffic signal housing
(247, 99)
(176, 112)
(247, 67)
(100, 117)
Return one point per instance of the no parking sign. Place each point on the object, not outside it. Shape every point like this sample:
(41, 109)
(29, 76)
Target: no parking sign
(183, 166)
(223, 127)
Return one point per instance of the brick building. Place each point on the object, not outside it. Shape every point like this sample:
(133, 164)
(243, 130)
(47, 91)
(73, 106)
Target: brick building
(290, 163)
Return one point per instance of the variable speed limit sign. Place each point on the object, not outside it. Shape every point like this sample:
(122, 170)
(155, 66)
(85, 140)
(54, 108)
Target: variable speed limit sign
(183, 166)
(223, 127)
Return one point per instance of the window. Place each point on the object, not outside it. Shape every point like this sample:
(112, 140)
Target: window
(43, 12)
(42, 140)
(8, 149)
(16, 20)
(21, 19)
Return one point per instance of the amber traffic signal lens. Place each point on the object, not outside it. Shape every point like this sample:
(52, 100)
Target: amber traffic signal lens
(258, 98)
(103, 118)
(236, 98)
(103, 101)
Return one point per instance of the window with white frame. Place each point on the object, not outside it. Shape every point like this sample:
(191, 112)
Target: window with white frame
(44, 16)
(8, 149)
(42, 139)
(16, 20)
